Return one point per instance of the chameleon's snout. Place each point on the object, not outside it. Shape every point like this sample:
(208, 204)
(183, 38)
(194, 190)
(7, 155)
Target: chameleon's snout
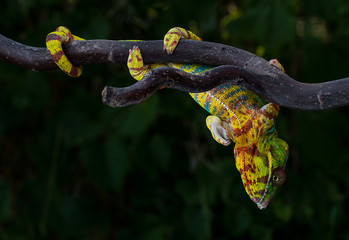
(260, 203)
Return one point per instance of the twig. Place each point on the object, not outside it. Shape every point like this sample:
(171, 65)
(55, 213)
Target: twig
(281, 90)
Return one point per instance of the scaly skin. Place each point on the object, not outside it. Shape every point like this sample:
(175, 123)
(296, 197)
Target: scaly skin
(237, 115)
(54, 41)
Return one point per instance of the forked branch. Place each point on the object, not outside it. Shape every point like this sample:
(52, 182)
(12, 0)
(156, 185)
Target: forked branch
(243, 68)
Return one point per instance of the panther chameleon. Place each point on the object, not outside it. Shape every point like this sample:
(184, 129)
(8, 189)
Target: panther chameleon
(237, 115)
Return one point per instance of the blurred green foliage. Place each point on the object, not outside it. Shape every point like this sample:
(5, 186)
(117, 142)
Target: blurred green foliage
(72, 168)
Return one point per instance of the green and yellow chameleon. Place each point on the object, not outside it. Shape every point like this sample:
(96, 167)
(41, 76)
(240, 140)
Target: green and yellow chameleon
(237, 115)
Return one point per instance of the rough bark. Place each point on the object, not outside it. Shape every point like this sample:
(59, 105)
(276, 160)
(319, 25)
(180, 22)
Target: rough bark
(243, 68)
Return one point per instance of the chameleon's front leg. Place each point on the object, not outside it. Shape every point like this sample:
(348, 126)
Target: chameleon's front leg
(219, 129)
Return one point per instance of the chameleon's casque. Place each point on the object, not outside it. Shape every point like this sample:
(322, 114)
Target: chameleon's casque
(237, 115)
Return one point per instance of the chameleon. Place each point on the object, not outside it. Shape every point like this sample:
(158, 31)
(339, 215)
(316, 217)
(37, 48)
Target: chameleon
(237, 115)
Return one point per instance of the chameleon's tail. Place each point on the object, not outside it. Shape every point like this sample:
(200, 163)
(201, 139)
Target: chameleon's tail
(54, 41)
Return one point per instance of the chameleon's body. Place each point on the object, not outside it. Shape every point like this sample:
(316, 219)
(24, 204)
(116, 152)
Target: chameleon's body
(237, 115)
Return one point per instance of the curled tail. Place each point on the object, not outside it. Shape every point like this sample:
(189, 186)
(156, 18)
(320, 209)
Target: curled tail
(54, 42)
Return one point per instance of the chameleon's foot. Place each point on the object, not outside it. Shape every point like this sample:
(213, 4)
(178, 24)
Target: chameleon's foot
(269, 112)
(135, 64)
(173, 36)
(218, 130)
(276, 63)
(54, 41)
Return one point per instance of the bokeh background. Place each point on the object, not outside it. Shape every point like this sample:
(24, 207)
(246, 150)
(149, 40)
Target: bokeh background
(73, 168)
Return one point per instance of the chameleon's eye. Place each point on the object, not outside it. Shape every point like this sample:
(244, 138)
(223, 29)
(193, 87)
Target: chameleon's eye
(279, 177)
(275, 178)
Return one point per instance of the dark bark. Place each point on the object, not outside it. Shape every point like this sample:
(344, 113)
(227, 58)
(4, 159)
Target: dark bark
(243, 68)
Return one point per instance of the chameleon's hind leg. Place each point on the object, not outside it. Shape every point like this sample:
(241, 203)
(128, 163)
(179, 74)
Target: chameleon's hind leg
(219, 129)
(136, 66)
(173, 36)
(276, 63)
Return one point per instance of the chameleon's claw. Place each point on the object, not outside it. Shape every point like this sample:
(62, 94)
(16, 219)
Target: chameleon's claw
(135, 64)
(171, 40)
(276, 63)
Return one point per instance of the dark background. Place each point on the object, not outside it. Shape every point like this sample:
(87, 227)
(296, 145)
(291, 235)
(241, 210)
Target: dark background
(73, 168)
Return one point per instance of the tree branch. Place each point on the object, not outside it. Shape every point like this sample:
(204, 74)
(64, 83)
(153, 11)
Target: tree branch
(279, 89)
(243, 68)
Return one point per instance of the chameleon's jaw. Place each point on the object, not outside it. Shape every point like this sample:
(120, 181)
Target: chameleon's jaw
(262, 203)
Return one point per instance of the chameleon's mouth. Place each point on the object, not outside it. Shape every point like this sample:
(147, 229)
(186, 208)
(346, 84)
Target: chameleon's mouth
(261, 202)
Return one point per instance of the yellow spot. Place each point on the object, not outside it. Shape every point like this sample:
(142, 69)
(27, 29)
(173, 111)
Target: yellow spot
(53, 46)
(65, 64)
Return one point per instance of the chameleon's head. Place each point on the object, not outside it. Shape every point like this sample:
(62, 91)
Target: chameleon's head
(261, 156)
